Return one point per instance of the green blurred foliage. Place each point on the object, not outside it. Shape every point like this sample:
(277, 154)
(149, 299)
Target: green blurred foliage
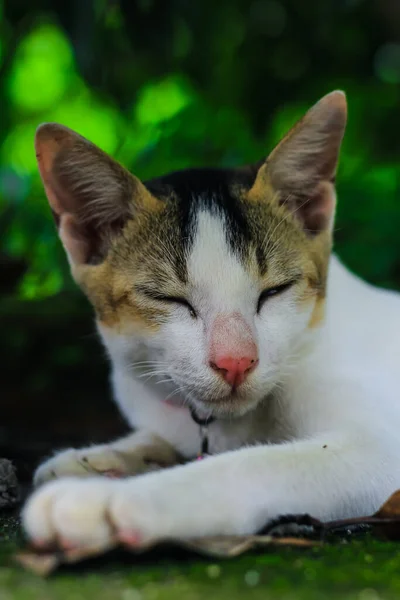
(167, 85)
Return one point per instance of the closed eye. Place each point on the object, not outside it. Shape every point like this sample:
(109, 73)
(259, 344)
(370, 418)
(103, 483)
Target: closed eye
(168, 299)
(273, 291)
(181, 301)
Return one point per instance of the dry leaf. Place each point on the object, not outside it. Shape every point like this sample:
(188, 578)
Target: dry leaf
(391, 508)
(389, 518)
(231, 546)
(40, 564)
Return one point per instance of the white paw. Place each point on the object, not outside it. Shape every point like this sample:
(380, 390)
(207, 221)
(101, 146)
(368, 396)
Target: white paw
(82, 463)
(81, 513)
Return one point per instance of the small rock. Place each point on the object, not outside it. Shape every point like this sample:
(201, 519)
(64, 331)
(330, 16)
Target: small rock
(9, 490)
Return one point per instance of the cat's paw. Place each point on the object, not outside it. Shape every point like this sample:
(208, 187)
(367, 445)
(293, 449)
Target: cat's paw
(86, 513)
(98, 460)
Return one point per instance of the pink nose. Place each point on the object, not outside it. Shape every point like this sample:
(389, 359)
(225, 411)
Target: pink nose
(234, 370)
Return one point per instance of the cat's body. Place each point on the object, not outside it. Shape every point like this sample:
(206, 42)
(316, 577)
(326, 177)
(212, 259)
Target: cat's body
(218, 295)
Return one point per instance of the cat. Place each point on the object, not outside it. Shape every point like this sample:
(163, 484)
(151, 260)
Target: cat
(219, 301)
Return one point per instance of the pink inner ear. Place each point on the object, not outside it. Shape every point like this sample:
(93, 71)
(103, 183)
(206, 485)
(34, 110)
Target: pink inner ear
(74, 240)
(314, 211)
(318, 212)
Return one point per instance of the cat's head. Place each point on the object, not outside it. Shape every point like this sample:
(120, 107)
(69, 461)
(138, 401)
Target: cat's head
(214, 275)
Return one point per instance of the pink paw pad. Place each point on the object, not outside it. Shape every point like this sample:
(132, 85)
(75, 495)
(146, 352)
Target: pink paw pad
(67, 544)
(113, 474)
(130, 538)
(40, 544)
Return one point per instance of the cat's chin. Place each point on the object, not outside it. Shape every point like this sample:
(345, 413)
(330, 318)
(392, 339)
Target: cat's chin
(226, 407)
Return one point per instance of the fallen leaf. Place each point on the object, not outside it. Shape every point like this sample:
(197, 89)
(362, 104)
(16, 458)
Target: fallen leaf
(40, 564)
(391, 508)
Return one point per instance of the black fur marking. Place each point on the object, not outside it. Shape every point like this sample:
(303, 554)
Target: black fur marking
(293, 526)
(210, 189)
(261, 260)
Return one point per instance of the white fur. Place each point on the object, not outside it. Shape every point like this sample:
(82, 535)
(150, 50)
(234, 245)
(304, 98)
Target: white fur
(326, 442)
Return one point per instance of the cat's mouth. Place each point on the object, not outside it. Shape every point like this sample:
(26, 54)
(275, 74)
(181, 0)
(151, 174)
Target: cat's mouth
(234, 404)
(219, 403)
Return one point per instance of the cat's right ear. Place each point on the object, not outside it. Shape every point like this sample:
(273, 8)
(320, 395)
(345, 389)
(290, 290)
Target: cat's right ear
(301, 169)
(90, 194)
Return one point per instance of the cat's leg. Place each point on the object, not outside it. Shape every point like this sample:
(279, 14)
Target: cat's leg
(336, 474)
(134, 454)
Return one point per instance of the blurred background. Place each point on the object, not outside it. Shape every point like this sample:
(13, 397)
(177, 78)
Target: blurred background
(162, 85)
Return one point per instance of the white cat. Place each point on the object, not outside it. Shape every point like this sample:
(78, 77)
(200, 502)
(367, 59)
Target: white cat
(217, 298)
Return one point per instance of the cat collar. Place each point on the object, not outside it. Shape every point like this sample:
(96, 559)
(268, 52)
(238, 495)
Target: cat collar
(203, 427)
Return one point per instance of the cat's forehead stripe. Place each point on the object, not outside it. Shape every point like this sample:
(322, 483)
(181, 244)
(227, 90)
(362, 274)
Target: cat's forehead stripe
(214, 268)
(257, 232)
(217, 191)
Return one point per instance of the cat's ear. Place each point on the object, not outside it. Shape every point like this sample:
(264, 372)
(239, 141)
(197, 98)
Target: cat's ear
(302, 168)
(90, 194)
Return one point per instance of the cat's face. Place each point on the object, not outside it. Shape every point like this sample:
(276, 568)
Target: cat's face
(210, 279)
(211, 275)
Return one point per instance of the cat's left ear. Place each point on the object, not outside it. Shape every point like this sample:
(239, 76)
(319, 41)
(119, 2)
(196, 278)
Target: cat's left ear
(91, 195)
(302, 168)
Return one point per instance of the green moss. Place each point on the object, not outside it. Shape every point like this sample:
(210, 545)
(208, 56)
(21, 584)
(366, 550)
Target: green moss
(366, 570)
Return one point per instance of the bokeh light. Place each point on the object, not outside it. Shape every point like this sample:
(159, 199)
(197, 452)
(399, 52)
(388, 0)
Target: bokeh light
(90, 116)
(18, 151)
(41, 69)
(162, 100)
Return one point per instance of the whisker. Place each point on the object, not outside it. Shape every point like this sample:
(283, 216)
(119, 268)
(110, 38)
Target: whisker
(167, 380)
(151, 373)
(176, 391)
(148, 363)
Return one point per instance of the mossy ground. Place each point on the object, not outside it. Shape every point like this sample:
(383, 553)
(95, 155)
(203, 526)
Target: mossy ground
(365, 569)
